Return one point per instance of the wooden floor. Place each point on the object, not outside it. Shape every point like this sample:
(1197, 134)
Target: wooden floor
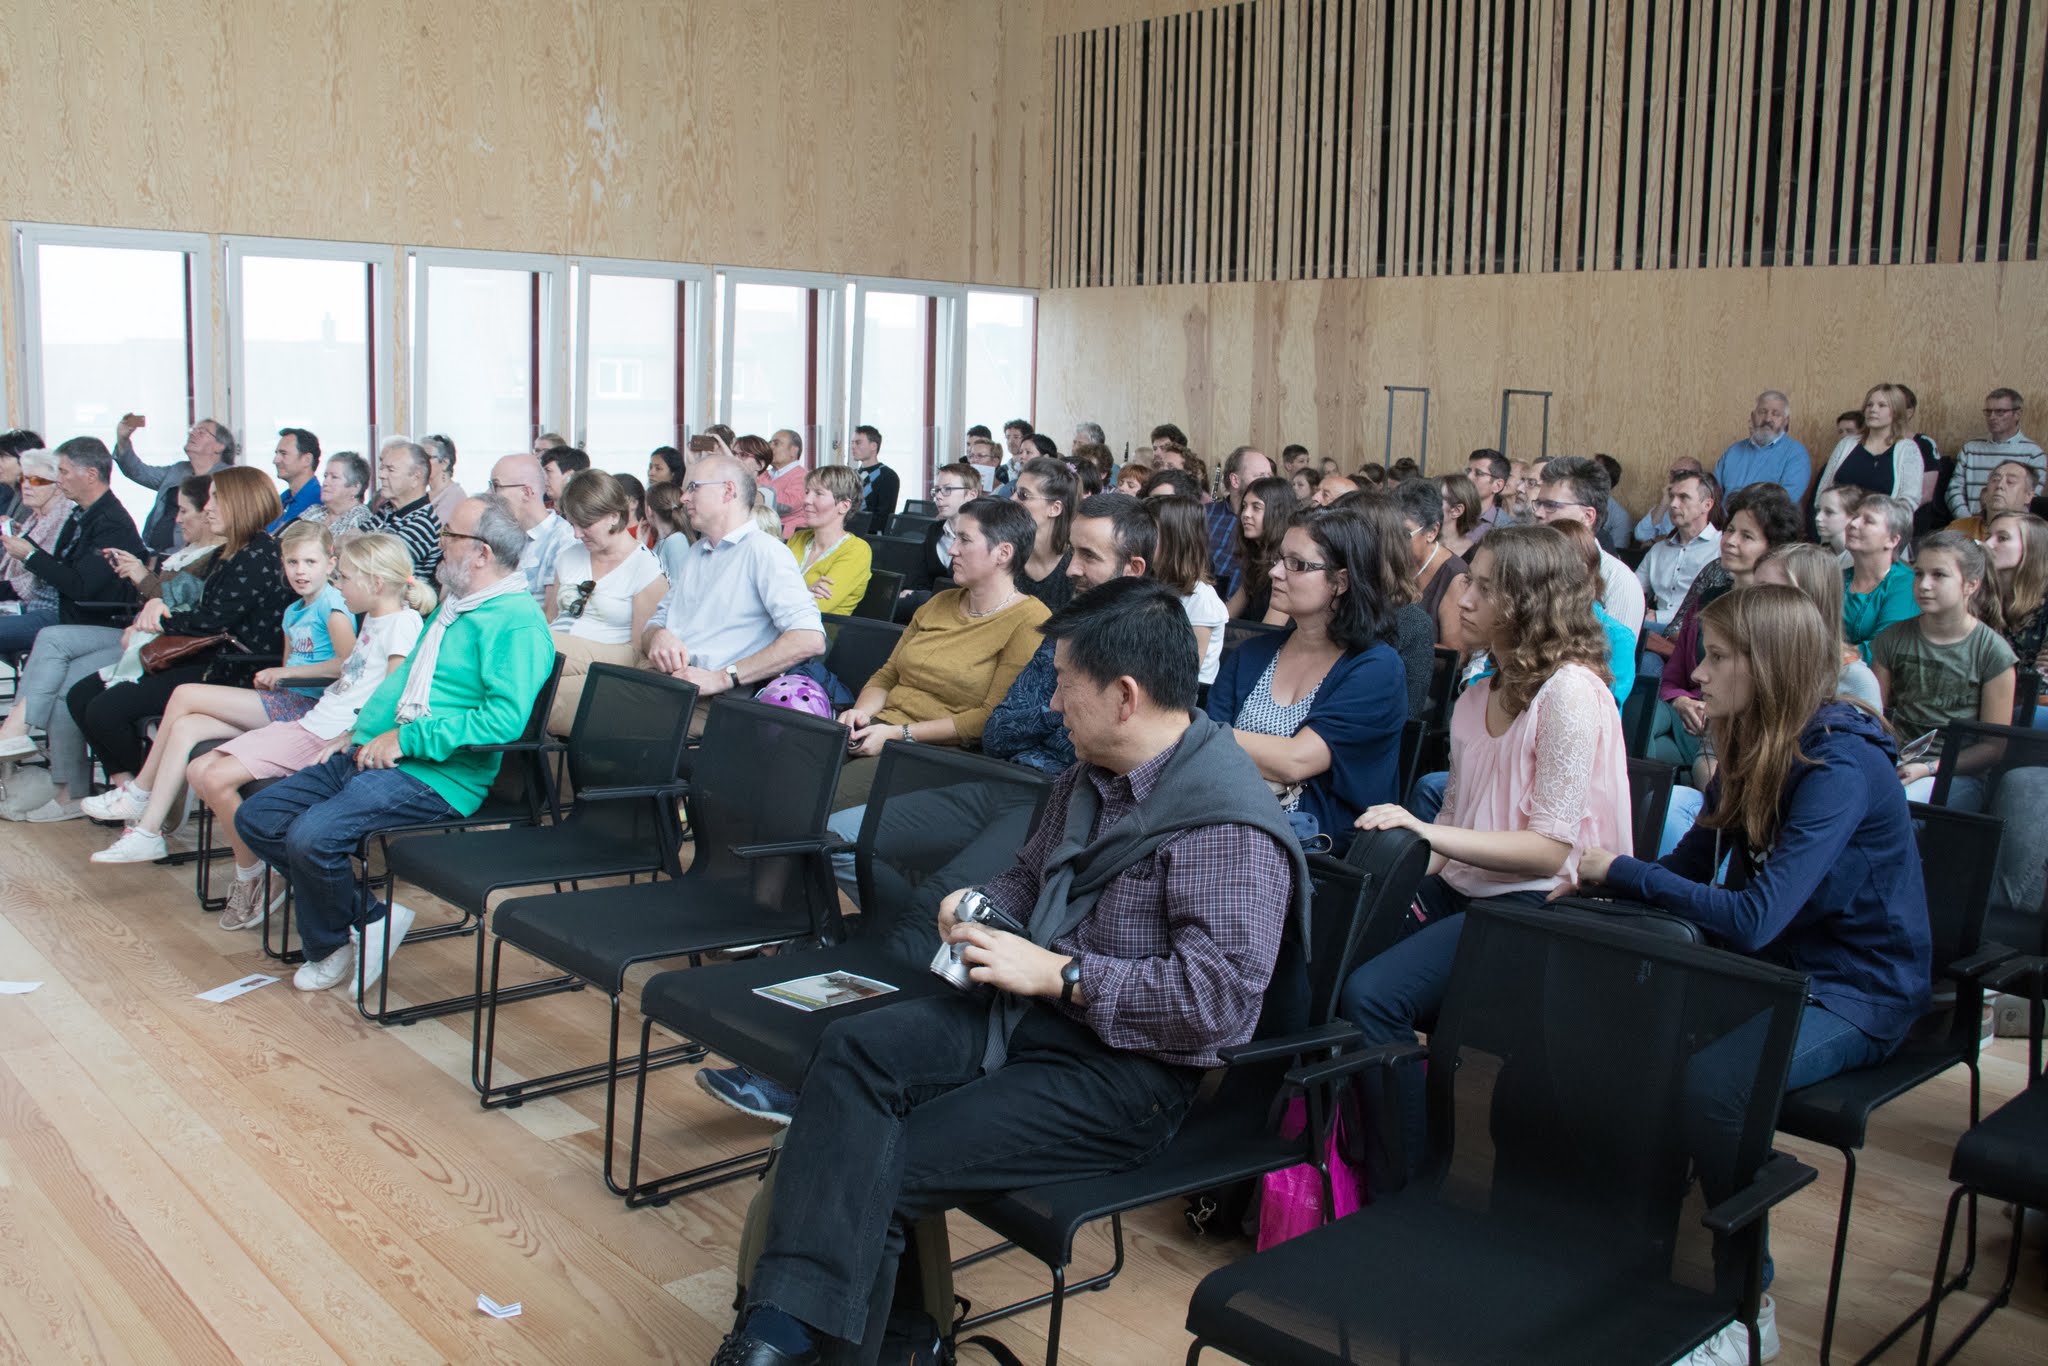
(275, 1180)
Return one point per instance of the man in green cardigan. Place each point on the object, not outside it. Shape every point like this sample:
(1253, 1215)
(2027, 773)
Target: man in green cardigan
(471, 681)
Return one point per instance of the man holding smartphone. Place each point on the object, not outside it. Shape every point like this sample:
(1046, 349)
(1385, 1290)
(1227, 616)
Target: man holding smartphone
(208, 446)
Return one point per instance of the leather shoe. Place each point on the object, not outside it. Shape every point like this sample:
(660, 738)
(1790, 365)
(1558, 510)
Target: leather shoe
(742, 1348)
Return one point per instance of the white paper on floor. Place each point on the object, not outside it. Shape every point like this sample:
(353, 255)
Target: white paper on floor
(496, 1310)
(17, 988)
(231, 990)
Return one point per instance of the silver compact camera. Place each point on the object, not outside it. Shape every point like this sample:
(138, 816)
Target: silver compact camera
(974, 907)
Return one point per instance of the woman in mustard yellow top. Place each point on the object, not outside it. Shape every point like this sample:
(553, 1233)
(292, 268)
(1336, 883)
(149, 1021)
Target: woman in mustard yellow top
(960, 654)
(836, 563)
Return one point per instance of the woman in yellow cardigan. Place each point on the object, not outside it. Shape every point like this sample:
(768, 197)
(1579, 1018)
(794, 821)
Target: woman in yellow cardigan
(835, 562)
(961, 653)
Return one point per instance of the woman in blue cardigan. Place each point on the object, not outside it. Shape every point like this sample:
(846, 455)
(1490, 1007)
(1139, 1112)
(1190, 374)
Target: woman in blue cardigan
(1320, 706)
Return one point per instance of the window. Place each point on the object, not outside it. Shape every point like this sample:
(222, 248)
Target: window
(770, 375)
(309, 341)
(638, 355)
(487, 350)
(116, 322)
(898, 379)
(1001, 362)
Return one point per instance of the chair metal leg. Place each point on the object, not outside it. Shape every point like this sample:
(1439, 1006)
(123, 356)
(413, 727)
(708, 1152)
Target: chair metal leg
(1194, 1352)
(1060, 1288)
(663, 1189)
(283, 952)
(1991, 1306)
(1827, 1323)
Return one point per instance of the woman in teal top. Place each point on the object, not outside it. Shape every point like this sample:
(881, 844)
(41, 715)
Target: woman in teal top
(1877, 590)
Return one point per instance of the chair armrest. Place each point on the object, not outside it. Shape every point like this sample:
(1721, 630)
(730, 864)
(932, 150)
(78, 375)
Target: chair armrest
(2017, 975)
(830, 844)
(610, 794)
(1336, 1034)
(545, 746)
(1344, 1065)
(1780, 1177)
(1987, 957)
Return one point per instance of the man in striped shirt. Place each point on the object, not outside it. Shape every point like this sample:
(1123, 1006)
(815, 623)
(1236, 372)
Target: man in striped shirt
(404, 508)
(2002, 408)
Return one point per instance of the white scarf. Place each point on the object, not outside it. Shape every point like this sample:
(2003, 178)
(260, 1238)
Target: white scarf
(419, 682)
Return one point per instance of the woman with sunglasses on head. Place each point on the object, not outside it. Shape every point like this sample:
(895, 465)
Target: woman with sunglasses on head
(38, 518)
(1320, 705)
(606, 589)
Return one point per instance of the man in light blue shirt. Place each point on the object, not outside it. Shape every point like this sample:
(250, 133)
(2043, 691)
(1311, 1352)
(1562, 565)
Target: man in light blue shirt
(738, 613)
(1766, 455)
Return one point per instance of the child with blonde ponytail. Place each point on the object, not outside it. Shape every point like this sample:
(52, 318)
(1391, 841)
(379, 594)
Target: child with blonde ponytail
(376, 581)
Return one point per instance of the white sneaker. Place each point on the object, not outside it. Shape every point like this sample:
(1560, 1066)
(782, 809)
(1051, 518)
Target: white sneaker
(134, 846)
(330, 971)
(54, 810)
(1730, 1346)
(115, 804)
(381, 939)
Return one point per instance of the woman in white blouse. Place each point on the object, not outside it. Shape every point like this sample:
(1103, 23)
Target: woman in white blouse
(1882, 458)
(606, 587)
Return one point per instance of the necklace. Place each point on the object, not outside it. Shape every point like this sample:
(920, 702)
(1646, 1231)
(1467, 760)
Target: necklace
(1427, 563)
(968, 611)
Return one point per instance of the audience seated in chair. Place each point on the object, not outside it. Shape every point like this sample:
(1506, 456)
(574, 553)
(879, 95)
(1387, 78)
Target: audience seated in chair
(957, 485)
(606, 589)
(1153, 893)
(521, 482)
(38, 519)
(471, 681)
(1319, 707)
(341, 508)
(260, 745)
(737, 613)
(1949, 663)
(1821, 870)
(835, 564)
(961, 652)
(405, 508)
(241, 606)
(209, 445)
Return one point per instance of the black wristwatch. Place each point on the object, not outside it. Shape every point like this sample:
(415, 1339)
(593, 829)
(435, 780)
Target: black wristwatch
(1070, 977)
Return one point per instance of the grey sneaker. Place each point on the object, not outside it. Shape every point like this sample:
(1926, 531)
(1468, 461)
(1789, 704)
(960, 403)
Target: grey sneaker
(54, 810)
(28, 789)
(245, 905)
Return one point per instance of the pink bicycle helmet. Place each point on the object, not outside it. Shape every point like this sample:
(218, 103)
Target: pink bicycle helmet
(797, 692)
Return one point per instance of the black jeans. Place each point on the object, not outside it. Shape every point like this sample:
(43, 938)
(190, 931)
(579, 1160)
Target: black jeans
(898, 1122)
(112, 718)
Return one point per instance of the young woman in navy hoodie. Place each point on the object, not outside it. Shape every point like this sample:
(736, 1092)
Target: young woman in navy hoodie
(1822, 874)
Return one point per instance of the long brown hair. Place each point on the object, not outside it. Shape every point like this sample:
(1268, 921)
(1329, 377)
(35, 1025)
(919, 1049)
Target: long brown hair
(1180, 557)
(1545, 603)
(248, 503)
(1258, 557)
(2022, 592)
(1793, 666)
(1971, 563)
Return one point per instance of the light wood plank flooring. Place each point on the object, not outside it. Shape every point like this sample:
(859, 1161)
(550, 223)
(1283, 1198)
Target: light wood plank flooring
(275, 1180)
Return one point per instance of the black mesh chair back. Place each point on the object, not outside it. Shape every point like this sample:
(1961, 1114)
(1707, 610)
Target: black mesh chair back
(859, 647)
(1236, 633)
(858, 523)
(1649, 802)
(878, 603)
(2026, 697)
(914, 525)
(897, 554)
(2008, 777)
(937, 819)
(921, 507)
(763, 775)
(1443, 688)
(525, 783)
(628, 738)
(1566, 1080)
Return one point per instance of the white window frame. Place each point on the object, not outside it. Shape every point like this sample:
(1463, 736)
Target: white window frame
(830, 397)
(697, 326)
(28, 306)
(554, 350)
(383, 262)
(950, 381)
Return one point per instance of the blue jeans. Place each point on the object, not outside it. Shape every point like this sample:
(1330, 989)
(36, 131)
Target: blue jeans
(309, 826)
(18, 630)
(1426, 795)
(1681, 816)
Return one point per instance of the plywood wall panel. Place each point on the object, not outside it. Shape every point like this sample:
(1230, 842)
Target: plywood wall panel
(1644, 365)
(887, 137)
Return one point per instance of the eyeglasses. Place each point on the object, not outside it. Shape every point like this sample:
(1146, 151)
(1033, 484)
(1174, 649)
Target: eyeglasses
(499, 487)
(1553, 505)
(2000, 412)
(447, 535)
(1296, 565)
(1023, 495)
(574, 609)
(35, 481)
(949, 488)
(696, 484)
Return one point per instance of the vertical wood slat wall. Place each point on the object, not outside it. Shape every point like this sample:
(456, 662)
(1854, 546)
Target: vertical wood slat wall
(1322, 139)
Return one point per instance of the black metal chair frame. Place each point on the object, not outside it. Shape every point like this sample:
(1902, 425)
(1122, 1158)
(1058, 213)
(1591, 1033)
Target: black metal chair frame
(854, 643)
(1381, 897)
(661, 1190)
(1961, 1044)
(663, 857)
(1649, 789)
(822, 898)
(878, 601)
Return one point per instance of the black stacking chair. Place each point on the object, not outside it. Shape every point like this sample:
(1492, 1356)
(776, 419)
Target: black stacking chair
(626, 764)
(921, 507)
(2006, 751)
(742, 887)
(858, 647)
(898, 554)
(914, 525)
(523, 793)
(1547, 1222)
(1957, 852)
(937, 819)
(857, 522)
(1649, 802)
(878, 603)
(2004, 1157)
(1231, 1133)
(1236, 632)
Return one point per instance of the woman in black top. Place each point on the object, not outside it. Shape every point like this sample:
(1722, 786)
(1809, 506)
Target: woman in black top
(1883, 457)
(245, 597)
(1045, 489)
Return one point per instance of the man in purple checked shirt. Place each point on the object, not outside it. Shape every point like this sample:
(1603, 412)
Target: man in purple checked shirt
(1154, 891)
